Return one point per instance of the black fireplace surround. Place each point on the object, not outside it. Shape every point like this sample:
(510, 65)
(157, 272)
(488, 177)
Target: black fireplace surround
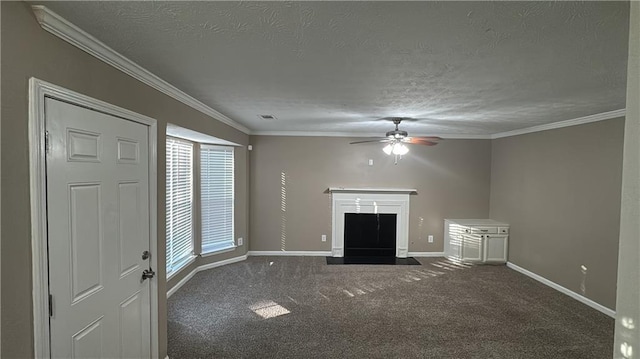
(369, 235)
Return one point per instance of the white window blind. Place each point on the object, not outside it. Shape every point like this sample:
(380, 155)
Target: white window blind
(216, 197)
(179, 203)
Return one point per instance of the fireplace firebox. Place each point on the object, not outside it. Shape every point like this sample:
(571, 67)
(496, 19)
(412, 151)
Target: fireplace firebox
(370, 235)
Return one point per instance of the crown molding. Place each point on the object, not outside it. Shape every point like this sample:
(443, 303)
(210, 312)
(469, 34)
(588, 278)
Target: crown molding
(62, 28)
(573, 122)
(351, 134)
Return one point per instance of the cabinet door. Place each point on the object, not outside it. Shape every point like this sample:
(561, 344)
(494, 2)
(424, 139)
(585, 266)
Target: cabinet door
(495, 248)
(455, 247)
(472, 248)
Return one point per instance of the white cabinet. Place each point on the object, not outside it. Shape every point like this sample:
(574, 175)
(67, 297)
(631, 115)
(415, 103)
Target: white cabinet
(476, 240)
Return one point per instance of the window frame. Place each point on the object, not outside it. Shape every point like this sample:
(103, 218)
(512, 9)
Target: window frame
(230, 243)
(175, 267)
(196, 205)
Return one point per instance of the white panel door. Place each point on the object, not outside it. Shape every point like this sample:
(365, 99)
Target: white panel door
(98, 228)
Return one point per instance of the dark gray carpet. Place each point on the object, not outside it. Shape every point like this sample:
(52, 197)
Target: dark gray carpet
(437, 310)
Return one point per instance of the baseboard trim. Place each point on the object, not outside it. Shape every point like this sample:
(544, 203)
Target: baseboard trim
(599, 307)
(328, 253)
(290, 253)
(184, 280)
(425, 254)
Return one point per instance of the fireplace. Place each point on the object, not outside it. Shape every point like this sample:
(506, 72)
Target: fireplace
(369, 235)
(374, 201)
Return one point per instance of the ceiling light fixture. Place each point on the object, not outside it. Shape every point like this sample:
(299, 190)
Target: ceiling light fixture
(397, 148)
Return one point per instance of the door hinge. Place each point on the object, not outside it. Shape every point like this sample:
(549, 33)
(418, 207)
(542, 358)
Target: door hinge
(50, 305)
(46, 142)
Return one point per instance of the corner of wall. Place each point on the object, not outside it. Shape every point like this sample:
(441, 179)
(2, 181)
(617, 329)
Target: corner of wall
(627, 335)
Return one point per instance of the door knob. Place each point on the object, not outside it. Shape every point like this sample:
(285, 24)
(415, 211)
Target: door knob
(148, 274)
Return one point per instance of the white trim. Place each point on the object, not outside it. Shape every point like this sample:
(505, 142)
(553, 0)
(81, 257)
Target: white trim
(37, 189)
(573, 122)
(290, 253)
(450, 136)
(222, 262)
(558, 287)
(184, 280)
(191, 259)
(218, 251)
(195, 136)
(371, 190)
(153, 232)
(62, 28)
(425, 254)
(549, 126)
(38, 91)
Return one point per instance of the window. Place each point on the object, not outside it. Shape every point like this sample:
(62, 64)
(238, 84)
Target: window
(202, 174)
(216, 197)
(179, 204)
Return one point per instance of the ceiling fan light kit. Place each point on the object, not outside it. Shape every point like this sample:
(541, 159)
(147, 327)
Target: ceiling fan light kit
(396, 140)
(397, 148)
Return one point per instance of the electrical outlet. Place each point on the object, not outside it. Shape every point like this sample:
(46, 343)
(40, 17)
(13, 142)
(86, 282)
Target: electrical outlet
(371, 162)
(324, 237)
(240, 241)
(430, 238)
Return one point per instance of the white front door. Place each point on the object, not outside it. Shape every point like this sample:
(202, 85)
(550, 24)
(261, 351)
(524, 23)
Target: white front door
(98, 229)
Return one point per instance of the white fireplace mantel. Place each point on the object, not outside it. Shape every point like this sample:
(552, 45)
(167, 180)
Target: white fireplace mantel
(372, 190)
(370, 200)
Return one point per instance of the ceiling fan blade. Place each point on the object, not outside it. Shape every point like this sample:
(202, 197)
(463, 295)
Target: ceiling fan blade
(383, 139)
(423, 138)
(428, 141)
(429, 138)
(417, 140)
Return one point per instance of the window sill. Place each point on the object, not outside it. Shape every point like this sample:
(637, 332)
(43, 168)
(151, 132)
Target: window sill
(229, 248)
(182, 267)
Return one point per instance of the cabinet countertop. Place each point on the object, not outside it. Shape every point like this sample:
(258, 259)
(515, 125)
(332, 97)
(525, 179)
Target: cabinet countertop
(477, 222)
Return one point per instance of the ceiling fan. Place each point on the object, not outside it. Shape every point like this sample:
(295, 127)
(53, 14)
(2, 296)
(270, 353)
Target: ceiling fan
(397, 139)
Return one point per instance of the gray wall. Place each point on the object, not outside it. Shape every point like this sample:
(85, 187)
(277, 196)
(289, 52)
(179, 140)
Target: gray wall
(452, 180)
(28, 51)
(627, 308)
(560, 192)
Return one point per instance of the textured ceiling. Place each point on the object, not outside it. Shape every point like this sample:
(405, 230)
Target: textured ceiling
(460, 67)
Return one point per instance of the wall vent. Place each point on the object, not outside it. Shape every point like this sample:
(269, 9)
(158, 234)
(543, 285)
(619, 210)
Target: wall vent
(268, 117)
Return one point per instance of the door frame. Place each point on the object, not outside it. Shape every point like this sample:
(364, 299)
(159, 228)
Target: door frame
(38, 91)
